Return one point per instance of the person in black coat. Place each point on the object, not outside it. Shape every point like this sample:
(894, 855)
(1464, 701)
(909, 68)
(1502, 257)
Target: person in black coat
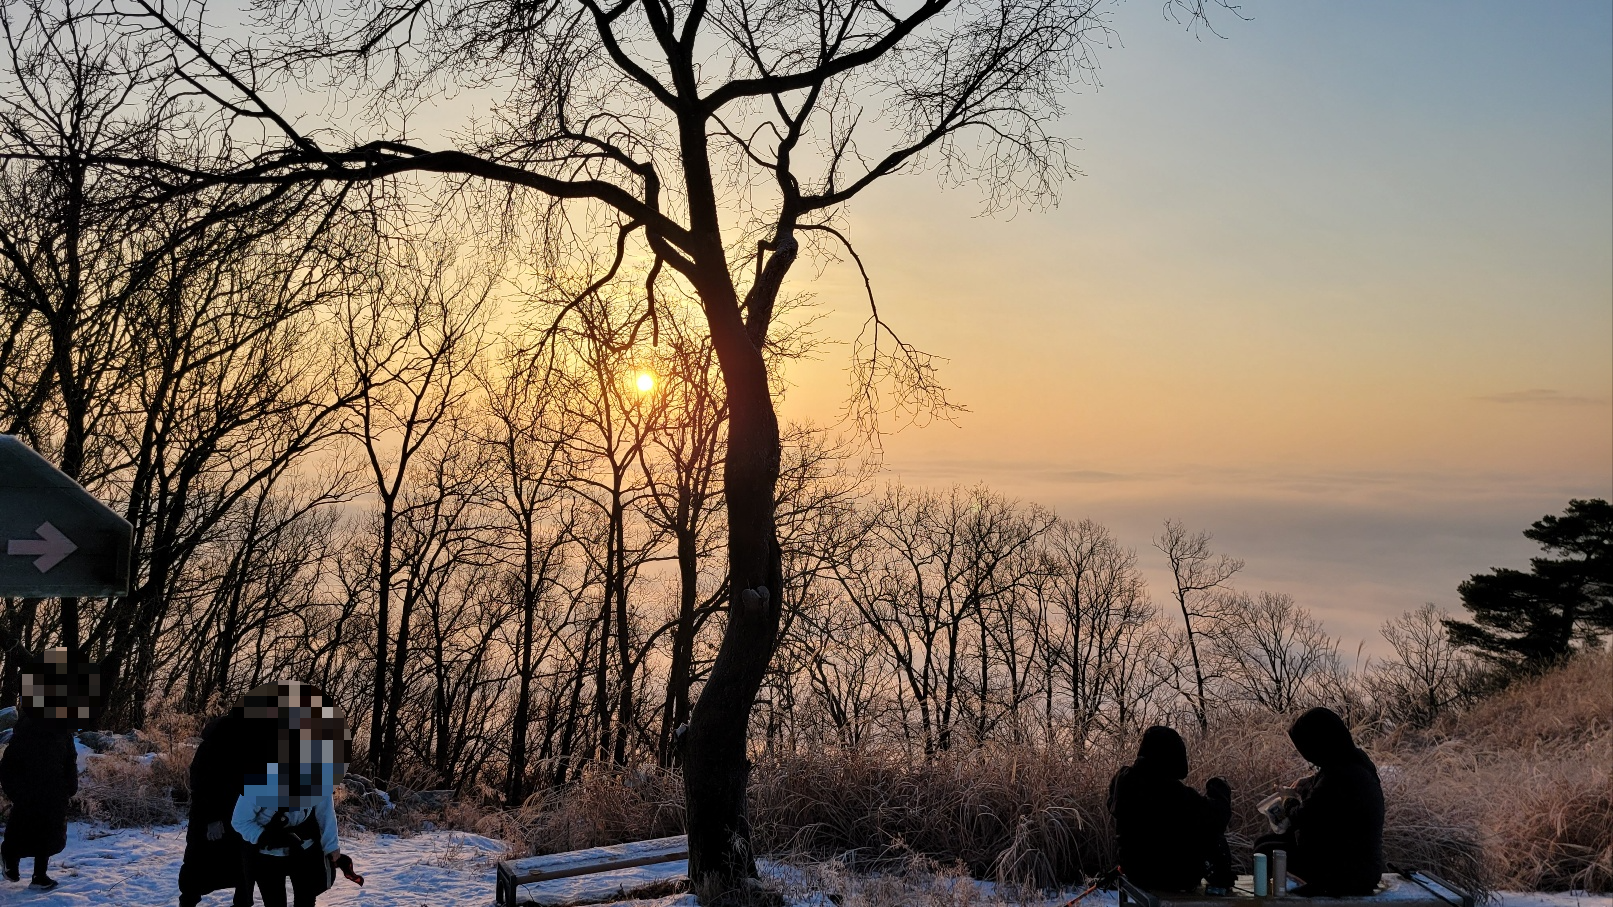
(39, 774)
(1335, 837)
(1171, 836)
(232, 746)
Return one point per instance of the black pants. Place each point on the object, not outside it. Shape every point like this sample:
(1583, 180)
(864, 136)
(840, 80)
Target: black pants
(271, 873)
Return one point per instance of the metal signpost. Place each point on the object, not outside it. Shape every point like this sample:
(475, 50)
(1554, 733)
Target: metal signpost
(59, 541)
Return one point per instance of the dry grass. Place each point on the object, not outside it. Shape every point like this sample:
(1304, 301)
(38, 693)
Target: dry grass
(1533, 768)
(1016, 816)
(915, 882)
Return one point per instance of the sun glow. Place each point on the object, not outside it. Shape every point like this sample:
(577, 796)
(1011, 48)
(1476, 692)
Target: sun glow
(645, 382)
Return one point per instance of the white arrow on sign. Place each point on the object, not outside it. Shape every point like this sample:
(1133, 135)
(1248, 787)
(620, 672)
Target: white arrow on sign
(51, 547)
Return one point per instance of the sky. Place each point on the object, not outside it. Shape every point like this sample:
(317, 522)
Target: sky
(1336, 286)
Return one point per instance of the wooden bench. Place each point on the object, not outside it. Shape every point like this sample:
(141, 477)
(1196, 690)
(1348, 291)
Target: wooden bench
(1401, 889)
(514, 873)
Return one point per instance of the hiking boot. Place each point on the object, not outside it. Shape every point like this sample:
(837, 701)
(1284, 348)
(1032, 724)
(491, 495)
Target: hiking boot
(42, 883)
(13, 870)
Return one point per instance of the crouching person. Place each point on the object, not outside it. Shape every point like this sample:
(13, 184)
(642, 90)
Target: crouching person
(232, 746)
(1171, 836)
(286, 817)
(1335, 835)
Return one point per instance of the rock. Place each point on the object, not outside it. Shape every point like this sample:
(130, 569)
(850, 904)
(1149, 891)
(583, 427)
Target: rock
(358, 784)
(428, 800)
(97, 741)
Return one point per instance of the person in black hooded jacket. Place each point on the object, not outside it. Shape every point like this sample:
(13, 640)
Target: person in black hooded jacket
(232, 746)
(1171, 835)
(1335, 837)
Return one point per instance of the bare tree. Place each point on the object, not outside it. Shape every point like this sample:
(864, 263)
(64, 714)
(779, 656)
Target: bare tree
(1427, 675)
(410, 342)
(612, 403)
(523, 426)
(1198, 575)
(1272, 653)
(149, 350)
(638, 118)
(685, 499)
(1096, 630)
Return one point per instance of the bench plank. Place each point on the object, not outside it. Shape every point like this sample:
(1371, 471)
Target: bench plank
(605, 887)
(514, 873)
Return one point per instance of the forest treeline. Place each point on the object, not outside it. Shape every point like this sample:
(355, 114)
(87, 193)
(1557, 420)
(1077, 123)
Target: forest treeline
(361, 445)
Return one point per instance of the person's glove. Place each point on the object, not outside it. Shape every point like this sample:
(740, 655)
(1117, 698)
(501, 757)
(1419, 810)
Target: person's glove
(1218, 789)
(276, 833)
(215, 831)
(273, 838)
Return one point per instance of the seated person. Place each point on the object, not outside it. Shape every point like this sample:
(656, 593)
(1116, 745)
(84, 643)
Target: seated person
(1170, 834)
(1335, 830)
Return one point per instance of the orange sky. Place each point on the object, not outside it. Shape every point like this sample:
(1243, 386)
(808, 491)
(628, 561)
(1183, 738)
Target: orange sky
(1338, 287)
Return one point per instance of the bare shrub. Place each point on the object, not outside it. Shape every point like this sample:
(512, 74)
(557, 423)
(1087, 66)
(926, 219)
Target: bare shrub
(128, 788)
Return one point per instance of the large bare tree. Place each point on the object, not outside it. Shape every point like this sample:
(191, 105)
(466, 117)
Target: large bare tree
(715, 141)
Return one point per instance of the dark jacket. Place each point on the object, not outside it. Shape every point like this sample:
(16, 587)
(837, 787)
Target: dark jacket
(1166, 829)
(231, 747)
(217, 771)
(39, 774)
(1338, 828)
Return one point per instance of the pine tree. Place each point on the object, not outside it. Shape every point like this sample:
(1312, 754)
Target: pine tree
(1530, 620)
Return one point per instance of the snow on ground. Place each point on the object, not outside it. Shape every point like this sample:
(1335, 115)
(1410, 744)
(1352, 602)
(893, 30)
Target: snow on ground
(134, 867)
(140, 868)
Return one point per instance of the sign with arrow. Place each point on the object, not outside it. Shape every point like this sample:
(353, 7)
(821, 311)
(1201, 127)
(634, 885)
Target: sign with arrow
(59, 540)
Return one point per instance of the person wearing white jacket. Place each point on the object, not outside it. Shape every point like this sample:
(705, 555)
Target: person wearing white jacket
(289, 826)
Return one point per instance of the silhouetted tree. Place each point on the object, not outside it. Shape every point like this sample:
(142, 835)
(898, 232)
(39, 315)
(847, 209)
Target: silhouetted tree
(720, 139)
(1531, 620)
(1427, 673)
(1199, 578)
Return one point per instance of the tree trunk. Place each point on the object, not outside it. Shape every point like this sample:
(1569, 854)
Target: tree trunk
(676, 710)
(515, 779)
(715, 765)
(383, 597)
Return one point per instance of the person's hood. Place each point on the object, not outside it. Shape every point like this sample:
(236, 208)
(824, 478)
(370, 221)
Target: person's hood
(1162, 752)
(1322, 737)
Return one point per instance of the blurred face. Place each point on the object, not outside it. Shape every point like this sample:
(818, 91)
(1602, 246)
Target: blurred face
(311, 740)
(60, 691)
